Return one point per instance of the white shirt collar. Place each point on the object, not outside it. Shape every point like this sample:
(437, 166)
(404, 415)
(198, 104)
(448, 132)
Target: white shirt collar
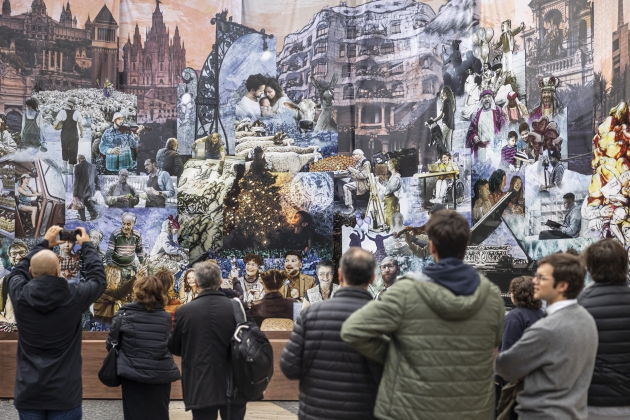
(554, 307)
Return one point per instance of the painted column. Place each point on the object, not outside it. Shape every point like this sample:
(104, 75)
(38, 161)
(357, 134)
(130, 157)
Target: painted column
(382, 116)
(61, 62)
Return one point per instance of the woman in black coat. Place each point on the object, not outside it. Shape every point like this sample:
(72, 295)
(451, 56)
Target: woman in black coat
(145, 365)
(607, 299)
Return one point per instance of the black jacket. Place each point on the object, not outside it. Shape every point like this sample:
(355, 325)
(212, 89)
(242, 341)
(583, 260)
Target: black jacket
(169, 160)
(610, 306)
(85, 180)
(336, 381)
(143, 356)
(272, 305)
(48, 313)
(201, 336)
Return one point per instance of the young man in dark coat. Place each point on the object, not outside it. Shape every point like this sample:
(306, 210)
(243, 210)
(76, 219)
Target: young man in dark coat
(85, 185)
(48, 313)
(201, 336)
(168, 159)
(607, 299)
(316, 355)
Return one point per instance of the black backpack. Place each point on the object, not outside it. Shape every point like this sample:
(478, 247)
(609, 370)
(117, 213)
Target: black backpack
(251, 358)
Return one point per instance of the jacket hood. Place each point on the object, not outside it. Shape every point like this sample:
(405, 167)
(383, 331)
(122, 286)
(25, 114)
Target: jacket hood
(448, 305)
(455, 275)
(46, 293)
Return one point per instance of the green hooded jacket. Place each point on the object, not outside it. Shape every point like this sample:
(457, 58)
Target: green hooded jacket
(438, 349)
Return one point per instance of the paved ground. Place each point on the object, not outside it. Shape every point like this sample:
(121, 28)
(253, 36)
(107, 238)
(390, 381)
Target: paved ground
(112, 410)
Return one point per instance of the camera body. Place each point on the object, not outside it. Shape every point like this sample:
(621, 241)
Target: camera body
(69, 235)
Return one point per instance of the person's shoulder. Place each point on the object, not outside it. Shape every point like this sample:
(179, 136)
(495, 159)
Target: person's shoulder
(136, 233)
(116, 233)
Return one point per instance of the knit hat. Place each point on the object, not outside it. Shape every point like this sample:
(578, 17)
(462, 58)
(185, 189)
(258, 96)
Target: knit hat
(487, 92)
(117, 115)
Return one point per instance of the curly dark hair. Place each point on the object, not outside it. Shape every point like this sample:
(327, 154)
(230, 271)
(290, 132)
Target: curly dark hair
(253, 257)
(273, 84)
(255, 81)
(522, 291)
(495, 180)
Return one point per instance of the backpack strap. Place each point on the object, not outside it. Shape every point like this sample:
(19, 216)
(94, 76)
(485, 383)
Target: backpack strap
(239, 311)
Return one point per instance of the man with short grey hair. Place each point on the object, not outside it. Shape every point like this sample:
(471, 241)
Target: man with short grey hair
(359, 180)
(308, 356)
(201, 336)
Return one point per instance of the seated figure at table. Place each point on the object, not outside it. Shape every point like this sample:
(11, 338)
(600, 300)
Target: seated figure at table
(358, 181)
(444, 181)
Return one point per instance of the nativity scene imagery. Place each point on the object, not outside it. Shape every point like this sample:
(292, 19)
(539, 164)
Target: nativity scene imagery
(277, 145)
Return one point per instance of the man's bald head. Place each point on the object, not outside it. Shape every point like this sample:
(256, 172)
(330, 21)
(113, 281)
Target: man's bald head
(357, 267)
(44, 263)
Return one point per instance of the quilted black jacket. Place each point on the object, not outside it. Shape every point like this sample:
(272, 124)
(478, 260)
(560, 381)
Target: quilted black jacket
(610, 306)
(336, 381)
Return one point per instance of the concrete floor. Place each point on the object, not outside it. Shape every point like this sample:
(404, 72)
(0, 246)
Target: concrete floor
(112, 410)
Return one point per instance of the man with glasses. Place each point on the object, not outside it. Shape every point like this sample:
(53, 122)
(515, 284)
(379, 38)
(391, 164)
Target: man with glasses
(556, 355)
(389, 272)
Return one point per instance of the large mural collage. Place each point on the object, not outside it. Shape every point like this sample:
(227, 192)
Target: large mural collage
(276, 135)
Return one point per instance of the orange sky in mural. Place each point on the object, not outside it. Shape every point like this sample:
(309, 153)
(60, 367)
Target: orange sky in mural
(282, 17)
(606, 18)
(79, 8)
(192, 17)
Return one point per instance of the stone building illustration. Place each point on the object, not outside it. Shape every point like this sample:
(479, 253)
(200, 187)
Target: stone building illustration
(620, 44)
(561, 42)
(152, 71)
(55, 54)
(389, 73)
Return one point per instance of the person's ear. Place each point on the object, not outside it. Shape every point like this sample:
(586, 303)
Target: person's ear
(372, 279)
(342, 281)
(562, 287)
(30, 270)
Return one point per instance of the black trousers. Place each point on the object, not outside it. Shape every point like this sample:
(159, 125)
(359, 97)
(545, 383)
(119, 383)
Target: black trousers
(237, 412)
(69, 149)
(145, 401)
(89, 205)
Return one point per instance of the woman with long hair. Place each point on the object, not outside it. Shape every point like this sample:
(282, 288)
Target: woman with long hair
(172, 299)
(276, 96)
(144, 364)
(25, 196)
(496, 184)
(188, 286)
(517, 204)
(7, 144)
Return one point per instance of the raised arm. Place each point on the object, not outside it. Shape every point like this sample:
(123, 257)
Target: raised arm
(95, 279)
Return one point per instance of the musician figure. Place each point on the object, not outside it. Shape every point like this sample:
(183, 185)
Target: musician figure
(117, 144)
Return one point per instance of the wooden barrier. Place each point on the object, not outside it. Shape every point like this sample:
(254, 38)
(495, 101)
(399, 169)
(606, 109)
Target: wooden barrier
(93, 352)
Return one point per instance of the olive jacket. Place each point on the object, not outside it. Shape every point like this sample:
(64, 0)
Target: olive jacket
(437, 347)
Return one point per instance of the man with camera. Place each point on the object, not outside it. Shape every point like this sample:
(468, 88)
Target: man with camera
(48, 313)
(116, 145)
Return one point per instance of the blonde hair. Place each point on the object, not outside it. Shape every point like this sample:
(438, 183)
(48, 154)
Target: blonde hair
(111, 272)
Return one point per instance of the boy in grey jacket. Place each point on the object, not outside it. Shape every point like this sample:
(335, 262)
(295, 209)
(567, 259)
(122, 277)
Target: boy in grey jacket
(556, 355)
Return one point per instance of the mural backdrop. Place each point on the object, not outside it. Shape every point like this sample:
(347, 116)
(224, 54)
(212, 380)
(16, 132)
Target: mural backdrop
(275, 135)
